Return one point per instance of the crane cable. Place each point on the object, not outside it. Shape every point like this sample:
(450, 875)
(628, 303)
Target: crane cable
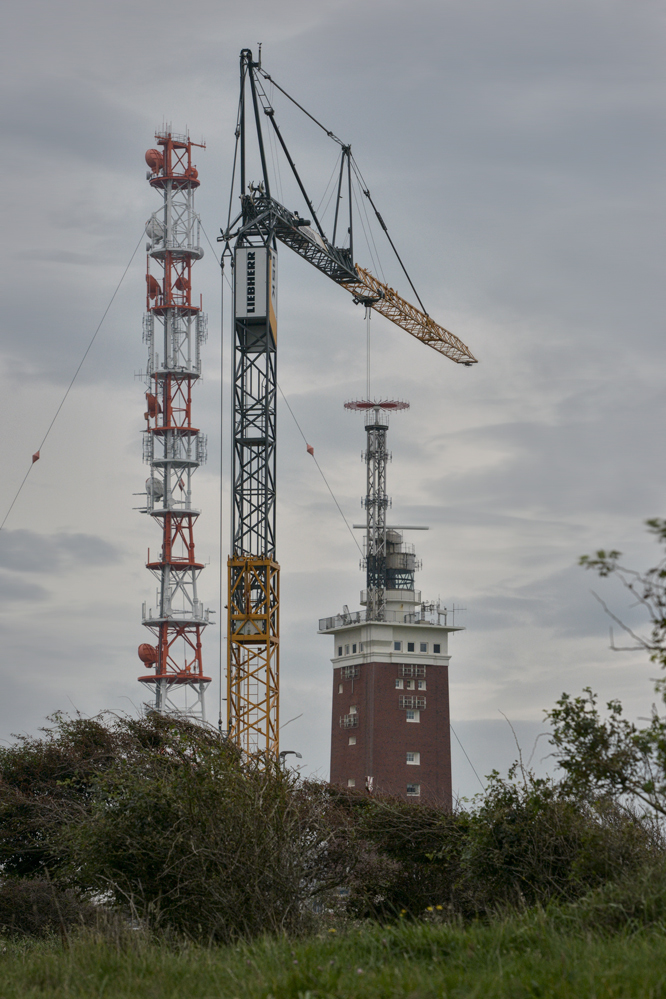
(36, 456)
(466, 756)
(310, 451)
(359, 175)
(330, 134)
(366, 191)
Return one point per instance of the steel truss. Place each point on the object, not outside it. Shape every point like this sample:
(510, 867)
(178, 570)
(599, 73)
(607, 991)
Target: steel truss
(253, 644)
(253, 686)
(388, 561)
(376, 504)
(174, 330)
(253, 605)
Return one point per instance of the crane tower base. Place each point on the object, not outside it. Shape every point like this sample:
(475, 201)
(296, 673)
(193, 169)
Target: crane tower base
(253, 647)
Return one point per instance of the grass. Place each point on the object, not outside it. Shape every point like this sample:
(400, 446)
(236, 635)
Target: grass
(521, 956)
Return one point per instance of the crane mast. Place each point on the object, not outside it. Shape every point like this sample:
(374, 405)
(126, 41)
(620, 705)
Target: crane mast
(253, 574)
(253, 630)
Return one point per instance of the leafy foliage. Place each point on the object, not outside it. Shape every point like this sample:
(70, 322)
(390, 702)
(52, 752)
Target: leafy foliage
(165, 822)
(39, 908)
(45, 783)
(607, 755)
(647, 588)
(527, 842)
(165, 819)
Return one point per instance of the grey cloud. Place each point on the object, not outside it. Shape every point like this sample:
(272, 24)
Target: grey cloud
(15, 590)
(70, 118)
(57, 257)
(560, 601)
(27, 551)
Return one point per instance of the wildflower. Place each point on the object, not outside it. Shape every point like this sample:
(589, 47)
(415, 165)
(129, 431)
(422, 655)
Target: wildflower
(439, 906)
(332, 930)
(429, 908)
(359, 971)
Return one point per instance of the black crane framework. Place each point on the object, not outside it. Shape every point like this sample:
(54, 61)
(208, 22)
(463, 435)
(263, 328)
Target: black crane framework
(253, 572)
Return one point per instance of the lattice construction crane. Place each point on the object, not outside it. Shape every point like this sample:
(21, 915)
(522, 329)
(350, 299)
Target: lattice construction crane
(253, 572)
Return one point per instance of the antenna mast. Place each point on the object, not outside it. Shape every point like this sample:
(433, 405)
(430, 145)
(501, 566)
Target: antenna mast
(376, 501)
(174, 329)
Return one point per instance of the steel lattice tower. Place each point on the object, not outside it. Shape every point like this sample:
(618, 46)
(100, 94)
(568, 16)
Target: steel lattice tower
(376, 503)
(174, 329)
(253, 605)
(253, 572)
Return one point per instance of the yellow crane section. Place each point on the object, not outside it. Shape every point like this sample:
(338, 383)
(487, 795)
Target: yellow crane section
(393, 306)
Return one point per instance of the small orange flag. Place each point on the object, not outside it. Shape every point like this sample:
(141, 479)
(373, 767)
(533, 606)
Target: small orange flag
(35, 457)
(310, 450)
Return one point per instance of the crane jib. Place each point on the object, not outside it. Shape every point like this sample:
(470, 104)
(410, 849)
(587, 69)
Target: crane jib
(265, 217)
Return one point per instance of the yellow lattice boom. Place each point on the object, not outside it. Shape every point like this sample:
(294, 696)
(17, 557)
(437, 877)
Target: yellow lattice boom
(253, 647)
(392, 305)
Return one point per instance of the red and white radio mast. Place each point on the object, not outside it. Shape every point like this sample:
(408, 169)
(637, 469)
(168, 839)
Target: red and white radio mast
(174, 330)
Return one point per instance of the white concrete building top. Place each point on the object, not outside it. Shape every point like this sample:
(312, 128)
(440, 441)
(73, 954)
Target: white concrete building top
(407, 635)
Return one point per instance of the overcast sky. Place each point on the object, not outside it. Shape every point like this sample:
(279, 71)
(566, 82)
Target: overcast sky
(515, 149)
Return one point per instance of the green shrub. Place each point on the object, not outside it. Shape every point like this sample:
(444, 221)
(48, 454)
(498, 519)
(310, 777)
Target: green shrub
(164, 819)
(166, 822)
(36, 907)
(530, 843)
(635, 899)
(525, 843)
(45, 784)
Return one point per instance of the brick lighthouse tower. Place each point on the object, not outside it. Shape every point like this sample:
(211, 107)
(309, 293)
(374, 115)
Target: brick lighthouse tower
(390, 729)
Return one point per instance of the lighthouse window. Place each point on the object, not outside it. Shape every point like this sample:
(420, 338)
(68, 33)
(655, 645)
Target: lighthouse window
(437, 649)
(339, 650)
(413, 790)
(423, 647)
(351, 782)
(352, 710)
(352, 740)
(414, 759)
(340, 688)
(354, 649)
(413, 715)
(410, 646)
(397, 646)
(420, 685)
(399, 684)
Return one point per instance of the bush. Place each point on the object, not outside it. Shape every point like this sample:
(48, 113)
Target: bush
(191, 837)
(166, 822)
(38, 908)
(636, 899)
(45, 784)
(164, 819)
(526, 843)
(531, 843)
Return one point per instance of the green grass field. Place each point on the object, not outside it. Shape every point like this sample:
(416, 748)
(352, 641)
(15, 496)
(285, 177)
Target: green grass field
(531, 955)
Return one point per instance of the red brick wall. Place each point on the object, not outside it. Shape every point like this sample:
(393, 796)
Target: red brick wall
(383, 736)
